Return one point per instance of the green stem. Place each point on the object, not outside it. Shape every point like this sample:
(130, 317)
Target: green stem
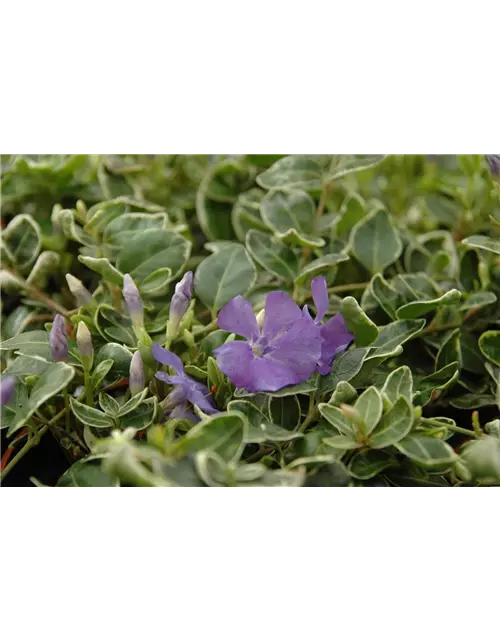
(39, 295)
(454, 428)
(341, 288)
(32, 442)
(311, 413)
(206, 329)
(88, 387)
(66, 409)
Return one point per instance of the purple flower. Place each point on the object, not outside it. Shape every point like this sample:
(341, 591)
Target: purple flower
(186, 389)
(133, 301)
(181, 412)
(335, 337)
(7, 385)
(284, 352)
(494, 162)
(181, 298)
(58, 340)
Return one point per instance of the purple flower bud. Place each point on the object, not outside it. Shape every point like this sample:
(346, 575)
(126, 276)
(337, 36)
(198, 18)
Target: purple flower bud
(7, 385)
(136, 374)
(58, 340)
(181, 298)
(84, 341)
(82, 295)
(494, 162)
(133, 301)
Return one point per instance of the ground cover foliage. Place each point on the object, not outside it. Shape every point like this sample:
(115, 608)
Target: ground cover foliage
(367, 352)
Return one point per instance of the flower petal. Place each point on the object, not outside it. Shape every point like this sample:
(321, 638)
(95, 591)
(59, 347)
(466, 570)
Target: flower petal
(238, 317)
(320, 296)
(181, 412)
(298, 349)
(280, 314)
(270, 375)
(167, 358)
(199, 395)
(335, 338)
(235, 360)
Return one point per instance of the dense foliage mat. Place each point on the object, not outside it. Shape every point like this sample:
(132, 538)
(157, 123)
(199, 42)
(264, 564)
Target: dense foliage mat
(250, 320)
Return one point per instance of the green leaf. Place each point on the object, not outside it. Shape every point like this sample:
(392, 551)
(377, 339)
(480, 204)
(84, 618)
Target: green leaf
(290, 214)
(422, 307)
(22, 240)
(428, 452)
(57, 376)
(482, 458)
(17, 321)
(303, 388)
(285, 411)
(154, 249)
(225, 433)
(348, 164)
(393, 335)
(129, 226)
(489, 344)
(318, 266)
(31, 343)
(224, 275)
(259, 427)
(73, 231)
(141, 417)
(99, 373)
(298, 172)
(133, 403)
(156, 283)
(27, 366)
(344, 393)
(337, 419)
(483, 242)
(369, 406)
(450, 350)
(344, 368)
(272, 255)
(478, 300)
(342, 442)
(120, 356)
(471, 358)
(109, 405)
(473, 401)
(437, 381)
(86, 474)
(217, 193)
(90, 416)
(387, 297)
(358, 323)
(352, 210)
(399, 384)
(214, 217)
(395, 425)
(375, 242)
(103, 267)
(367, 464)
(246, 213)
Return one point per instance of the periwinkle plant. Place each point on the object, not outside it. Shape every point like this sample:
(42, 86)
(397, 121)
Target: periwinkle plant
(246, 321)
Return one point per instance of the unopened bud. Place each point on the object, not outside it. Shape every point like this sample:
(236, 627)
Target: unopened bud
(136, 374)
(82, 295)
(181, 299)
(58, 340)
(133, 301)
(494, 163)
(7, 386)
(84, 341)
